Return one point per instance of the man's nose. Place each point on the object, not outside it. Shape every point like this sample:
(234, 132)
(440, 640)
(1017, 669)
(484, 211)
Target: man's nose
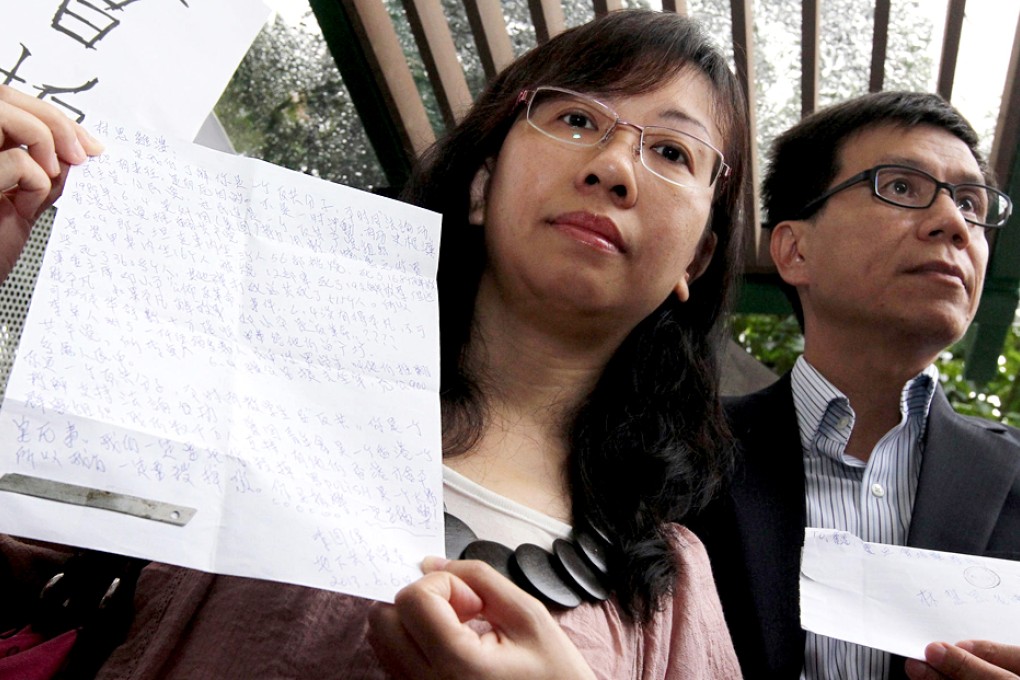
(945, 218)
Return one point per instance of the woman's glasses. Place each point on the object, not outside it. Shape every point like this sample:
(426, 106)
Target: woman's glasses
(908, 187)
(676, 156)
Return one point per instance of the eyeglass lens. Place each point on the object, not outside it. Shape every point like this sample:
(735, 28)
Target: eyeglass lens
(978, 203)
(671, 154)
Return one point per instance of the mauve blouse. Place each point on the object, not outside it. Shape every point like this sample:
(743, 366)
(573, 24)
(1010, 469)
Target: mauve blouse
(193, 625)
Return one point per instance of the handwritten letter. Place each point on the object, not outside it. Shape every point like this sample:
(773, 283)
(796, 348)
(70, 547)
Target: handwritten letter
(899, 599)
(227, 335)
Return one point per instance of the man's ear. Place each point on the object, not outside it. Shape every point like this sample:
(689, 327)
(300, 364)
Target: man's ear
(699, 263)
(478, 193)
(790, 251)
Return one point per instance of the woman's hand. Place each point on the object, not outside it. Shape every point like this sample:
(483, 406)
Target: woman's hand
(969, 660)
(37, 143)
(424, 635)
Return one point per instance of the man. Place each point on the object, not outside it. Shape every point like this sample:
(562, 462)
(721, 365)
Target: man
(887, 269)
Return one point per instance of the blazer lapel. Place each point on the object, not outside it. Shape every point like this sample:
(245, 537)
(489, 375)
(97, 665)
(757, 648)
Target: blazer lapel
(967, 471)
(968, 467)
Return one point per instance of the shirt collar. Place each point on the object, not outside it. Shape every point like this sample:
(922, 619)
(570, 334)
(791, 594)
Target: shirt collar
(823, 412)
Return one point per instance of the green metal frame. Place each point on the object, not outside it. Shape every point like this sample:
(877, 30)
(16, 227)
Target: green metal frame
(1001, 295)
(761, 294)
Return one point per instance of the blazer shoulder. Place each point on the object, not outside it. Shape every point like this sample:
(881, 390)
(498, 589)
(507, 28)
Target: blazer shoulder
(749, 407)
(983, 426)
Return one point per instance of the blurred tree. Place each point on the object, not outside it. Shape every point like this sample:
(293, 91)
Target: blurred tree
(844, 53)
(1000, 398)
(773, 340)
(287, 104)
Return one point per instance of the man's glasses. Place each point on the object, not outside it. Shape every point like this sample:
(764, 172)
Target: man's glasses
(911, 188)
(676, 156)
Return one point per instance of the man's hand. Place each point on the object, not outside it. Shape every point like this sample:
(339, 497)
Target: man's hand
(969, 660)
(37, 143)
(424, 634)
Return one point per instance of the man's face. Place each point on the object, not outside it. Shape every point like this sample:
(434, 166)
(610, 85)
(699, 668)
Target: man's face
(866, 269)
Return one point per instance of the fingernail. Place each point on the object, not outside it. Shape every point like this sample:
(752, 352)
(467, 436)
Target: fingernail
(935, 654)
(78, 154)
(99, 146)
(433, 563)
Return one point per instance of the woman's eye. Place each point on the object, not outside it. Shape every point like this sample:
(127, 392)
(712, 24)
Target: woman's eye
(673, 153)
(577, 119)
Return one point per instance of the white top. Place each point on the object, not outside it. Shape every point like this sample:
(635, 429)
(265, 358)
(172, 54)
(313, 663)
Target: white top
(496, 518)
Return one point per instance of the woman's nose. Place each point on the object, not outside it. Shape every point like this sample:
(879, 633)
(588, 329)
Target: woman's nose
(613, 166)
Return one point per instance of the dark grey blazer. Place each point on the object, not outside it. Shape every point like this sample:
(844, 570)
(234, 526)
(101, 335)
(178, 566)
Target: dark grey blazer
(968, 501)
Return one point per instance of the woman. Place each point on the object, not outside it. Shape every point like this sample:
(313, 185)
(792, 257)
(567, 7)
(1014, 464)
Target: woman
(592, 396)
(590, 203)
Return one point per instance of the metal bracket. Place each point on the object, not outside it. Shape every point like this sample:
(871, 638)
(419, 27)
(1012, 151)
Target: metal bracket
(62, 492)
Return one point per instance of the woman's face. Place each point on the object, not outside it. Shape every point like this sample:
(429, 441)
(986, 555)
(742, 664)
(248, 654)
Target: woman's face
(590, 230)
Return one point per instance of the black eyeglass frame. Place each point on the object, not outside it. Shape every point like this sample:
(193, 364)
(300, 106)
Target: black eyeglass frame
(872, 174)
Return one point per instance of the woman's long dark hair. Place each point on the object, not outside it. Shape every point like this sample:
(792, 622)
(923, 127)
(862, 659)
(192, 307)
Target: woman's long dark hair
(649, 443)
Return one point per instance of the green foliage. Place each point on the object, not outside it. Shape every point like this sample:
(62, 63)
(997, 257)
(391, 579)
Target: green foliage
(773, 340)
(1000, 398)
(776, 341)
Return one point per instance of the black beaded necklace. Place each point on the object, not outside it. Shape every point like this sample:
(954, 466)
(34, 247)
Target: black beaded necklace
(575, 571)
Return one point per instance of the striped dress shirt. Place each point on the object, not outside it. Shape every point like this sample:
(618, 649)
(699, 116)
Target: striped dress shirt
(872, 500)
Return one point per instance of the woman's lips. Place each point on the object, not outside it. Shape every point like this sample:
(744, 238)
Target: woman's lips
(595, 230)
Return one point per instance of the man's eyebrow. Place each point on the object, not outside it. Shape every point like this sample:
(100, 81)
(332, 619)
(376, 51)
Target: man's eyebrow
(967, 177)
